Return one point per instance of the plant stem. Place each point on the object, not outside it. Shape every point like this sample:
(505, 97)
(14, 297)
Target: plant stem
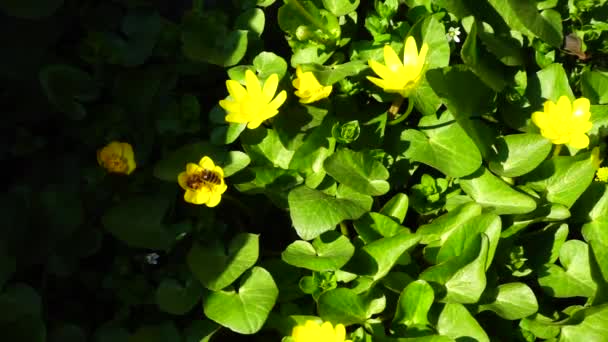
(410, 106)
(343, 229)
(298, 6)
(557, 149)
(394, 109)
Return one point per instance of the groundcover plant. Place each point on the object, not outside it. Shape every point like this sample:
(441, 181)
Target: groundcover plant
(304, 170)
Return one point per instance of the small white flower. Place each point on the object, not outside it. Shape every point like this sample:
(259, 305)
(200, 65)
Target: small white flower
(453, 33)
(152, 258)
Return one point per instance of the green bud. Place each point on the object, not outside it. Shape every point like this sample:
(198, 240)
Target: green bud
(347, 132)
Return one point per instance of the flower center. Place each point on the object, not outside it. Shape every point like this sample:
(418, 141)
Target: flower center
(251, 107)
(116, 163)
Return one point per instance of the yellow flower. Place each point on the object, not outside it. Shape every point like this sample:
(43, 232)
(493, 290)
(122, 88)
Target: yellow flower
(398, 77)
(564, 122)
(204, 183)
(311, 331)
(602, 175)
(309, 89)
(254, 104)
(117, 157)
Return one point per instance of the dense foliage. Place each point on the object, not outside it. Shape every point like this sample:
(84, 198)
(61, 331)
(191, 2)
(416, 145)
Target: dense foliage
(305, 170)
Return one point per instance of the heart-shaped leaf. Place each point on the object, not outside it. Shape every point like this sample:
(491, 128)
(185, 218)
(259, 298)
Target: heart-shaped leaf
(215, 269)
(512, 301)
(414, 304)
(313, 212)
(359, 171)
(176, 298)
(519, 154)
(455, 321)
(245, 309)
(442, 144)
(327, 252)
(342, 305)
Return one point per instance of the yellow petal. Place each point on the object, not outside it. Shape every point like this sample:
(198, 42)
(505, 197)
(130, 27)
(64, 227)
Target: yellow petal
(410, 52)
(340, 332)
(580, 108)
(182, 180)
(214, 199)
(236, 90)
(192, 168)
(230, 106)
(377, 81)
(278, 101)
(391, 59)
(206, 163)
(219, 171)
(579, 141)
(270, 87)
(540, 119)
(253, 124)
(196, 197)
(236, 118)
(563, 106)
(253, 84)
(380, 69)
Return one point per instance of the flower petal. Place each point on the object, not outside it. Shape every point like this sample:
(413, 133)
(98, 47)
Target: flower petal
(376, 81)
(270, 87)
(236, 90)
(236, 118)
(206, 163)
(410, 52)
(579, 141)
(214, 199)
(580, 108)
(278, 101)
(196, 197)
(230, 106)
(391, 59)
(192, 168)
(253, 84)
(380, 69)
(182, 180)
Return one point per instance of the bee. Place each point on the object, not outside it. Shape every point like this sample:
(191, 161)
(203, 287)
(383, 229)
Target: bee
(211, 177)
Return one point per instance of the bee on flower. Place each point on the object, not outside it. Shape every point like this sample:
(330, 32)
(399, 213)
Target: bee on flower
(309, 89)
(565, 122)
(312, 331)
(252, 104)
(117, 157)
(203, 182)
(397, 76)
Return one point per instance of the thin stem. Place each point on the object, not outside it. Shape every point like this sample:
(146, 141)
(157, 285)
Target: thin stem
(395, 106)
(557, 149)
(298, 6)
(410, 106)
(343, 229)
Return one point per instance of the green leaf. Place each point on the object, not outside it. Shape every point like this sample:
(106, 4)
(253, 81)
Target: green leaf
(138, 222)
(373, 226)
(165, 332)
(359, 171)
(575, 278)
(19, 301)
(469, 282)
(378, 257)
(176, 298)
(466, 104)
(245, 309)
(595, 234)
(30, 9)
(592, 204)
(396, 207)
(482, 63)
(328, 75)
(456, 322)
(593, 327)
(594, 85)
(215, 269)
(442, 144)
(328, 252)
(542, 247)
(267, 63)
(66, 87)
(548, 84)
(522, 15)
(341, 7)
(414, 304)
(252, 19)
(563, 179)
(496, 195)
(313, 212)
(443, 226)
(200, 331)
(342, 305)
(225, 49)
(512, 301)
(264, 146)
(518, 154)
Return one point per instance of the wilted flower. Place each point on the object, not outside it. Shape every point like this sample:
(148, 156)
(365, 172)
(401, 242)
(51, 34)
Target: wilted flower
(254, 104)
(204, 183)
(117, 157)
(311, 331)
(565, 122)
(602, 174)
(453, 33)
(398, 77)
(309, 89)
